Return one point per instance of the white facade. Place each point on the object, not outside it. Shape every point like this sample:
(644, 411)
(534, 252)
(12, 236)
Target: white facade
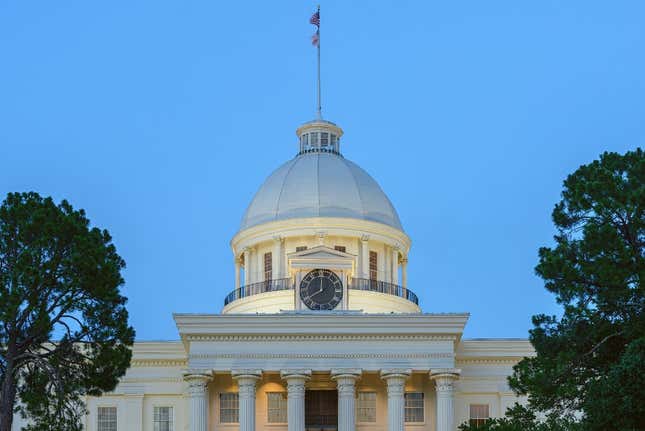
(321, 331)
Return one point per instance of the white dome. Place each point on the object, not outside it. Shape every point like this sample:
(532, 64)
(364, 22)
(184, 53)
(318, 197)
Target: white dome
(320, 184)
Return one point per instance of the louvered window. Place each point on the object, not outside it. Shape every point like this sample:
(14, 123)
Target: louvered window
(268, 266)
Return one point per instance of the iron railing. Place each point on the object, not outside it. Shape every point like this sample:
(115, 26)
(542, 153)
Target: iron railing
(287, 284)
(257, 288)
(383, 287)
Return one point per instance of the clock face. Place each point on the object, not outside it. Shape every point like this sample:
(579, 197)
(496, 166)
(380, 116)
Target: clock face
(321, 289)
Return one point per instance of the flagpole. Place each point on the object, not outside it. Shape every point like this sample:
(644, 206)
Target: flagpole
(319, 112)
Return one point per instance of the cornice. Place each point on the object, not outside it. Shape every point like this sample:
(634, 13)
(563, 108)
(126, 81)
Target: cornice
(158, 363)
(323, 324)
(488, 361)
(332, 225)
(253, 338)
(215, 356)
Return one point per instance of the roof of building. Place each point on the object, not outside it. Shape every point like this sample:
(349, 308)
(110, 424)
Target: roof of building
(320, 184)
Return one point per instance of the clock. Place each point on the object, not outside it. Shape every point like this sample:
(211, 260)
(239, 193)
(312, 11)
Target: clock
(321, 289)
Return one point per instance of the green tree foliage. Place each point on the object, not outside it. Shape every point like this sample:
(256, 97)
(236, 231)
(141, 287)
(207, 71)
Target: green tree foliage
(64, 329)
(589, 361)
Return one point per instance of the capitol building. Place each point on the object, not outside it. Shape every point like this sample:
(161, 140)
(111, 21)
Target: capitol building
(322, 331)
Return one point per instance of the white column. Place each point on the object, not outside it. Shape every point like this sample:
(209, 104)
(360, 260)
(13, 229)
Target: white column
(365, 257)
(247, 266)
(395, 266)
(276, 255)
(444, 386)
(346, 384)
(237, 272)
(246, 380)
(404, 273)
(387, 266)
(197, 399)
(296, 397)
(395, 379)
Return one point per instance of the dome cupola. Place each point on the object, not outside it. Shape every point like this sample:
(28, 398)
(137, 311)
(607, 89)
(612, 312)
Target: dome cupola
(319, 136)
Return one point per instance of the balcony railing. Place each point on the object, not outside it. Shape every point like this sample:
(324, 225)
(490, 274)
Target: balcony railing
(287, 284)
(383, 287)
(257, 288)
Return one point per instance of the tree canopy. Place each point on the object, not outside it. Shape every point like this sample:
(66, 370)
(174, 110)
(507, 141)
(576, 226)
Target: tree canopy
(587, 372)
(64, 330)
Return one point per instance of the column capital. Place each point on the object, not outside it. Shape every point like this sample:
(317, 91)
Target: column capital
(278, 239)
(197, 381)
(449, 373)
(295, 374)
(351, 373)
(365, 237)
(246, 374)
(389, 373)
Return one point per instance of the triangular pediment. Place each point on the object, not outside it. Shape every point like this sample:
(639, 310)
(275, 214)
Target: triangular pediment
(321, 257)
(320, 252)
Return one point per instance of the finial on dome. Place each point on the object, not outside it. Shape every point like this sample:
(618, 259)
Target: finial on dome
(319, 136)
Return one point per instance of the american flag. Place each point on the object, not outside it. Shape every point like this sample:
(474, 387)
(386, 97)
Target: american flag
(315, 18)
(315, 39)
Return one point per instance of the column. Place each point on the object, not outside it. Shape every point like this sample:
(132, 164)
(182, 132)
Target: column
(404, 273)
(237, 272)
(278, 245)
(395, 265)
(247, 266)
(365, 257)
(444, 385)
(387, 266)
(395, 379)
(346, 384)
(246, 380)
(296, 397)
(197, 398)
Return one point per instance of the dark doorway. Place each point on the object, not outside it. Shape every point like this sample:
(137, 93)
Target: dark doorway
(321, 410)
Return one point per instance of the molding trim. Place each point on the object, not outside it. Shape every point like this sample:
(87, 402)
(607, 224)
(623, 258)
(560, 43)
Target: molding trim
(158, 363)
(320, 337)
(437, 355)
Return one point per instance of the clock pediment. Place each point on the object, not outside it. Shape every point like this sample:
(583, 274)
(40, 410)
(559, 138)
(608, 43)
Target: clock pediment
(322, 257)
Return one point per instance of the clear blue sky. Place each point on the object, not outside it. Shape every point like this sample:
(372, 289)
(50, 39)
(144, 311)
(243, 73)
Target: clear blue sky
(162, 119)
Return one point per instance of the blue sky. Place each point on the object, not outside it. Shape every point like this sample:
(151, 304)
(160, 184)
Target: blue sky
(162, 119)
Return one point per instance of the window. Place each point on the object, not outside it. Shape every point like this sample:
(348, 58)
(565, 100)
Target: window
(414, 407)
(229, 408)
(478, 415)
(366, 407)
(268, 266)
(106, 419)
(324, 139)
(373, 262)
(340, 248)
(314, 139)
(162, 418)
(333, 140)
(277, 407)
(301, 248)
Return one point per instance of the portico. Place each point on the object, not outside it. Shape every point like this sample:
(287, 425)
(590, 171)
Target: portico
(257, 356)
